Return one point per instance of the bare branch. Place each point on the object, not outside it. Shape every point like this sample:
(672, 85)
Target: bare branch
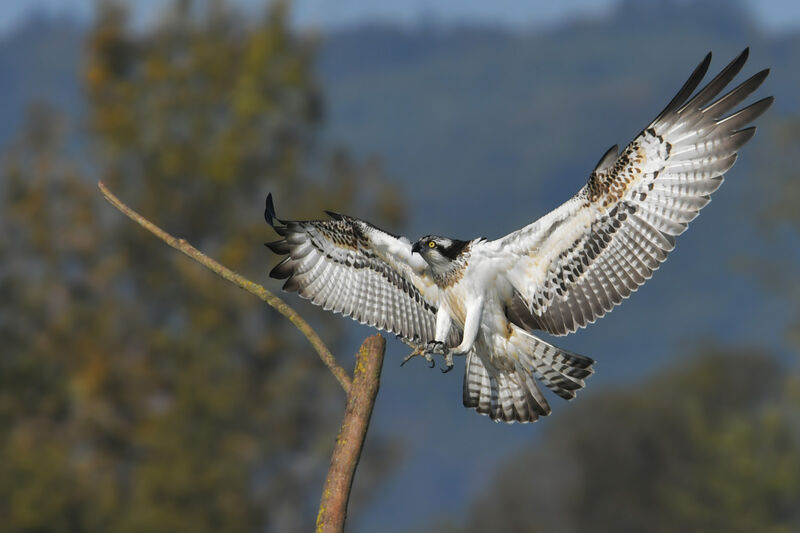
(253, 288)
(361, 390)
(360, 400)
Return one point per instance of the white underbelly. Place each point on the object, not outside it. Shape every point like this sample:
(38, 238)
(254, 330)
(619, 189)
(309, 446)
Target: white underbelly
(495, 330)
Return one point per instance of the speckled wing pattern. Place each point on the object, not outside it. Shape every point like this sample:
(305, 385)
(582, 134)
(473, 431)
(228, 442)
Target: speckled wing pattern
(576, 263)
(349, 266)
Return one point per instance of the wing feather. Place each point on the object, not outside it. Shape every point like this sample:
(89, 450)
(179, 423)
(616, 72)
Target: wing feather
(349, 266)
(576, 263)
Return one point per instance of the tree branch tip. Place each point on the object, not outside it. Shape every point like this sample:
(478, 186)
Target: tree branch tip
(182, 245)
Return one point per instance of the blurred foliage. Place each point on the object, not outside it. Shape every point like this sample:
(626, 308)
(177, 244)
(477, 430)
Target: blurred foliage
(781, 174)
(779, 219)
(137, 391)
(711, 446)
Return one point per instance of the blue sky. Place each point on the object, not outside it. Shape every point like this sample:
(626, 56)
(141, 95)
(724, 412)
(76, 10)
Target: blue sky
(776, 15)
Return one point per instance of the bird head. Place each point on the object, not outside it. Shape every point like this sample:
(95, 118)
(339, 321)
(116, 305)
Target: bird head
(439, 252)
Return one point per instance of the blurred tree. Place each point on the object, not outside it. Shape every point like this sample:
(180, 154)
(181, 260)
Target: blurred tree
(712, 446)
(138, 392)
(779, 218)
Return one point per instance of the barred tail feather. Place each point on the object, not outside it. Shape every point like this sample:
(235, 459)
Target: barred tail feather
(561, 371)
(510, 394)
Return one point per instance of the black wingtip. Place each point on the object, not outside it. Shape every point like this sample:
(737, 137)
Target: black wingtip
(269, 211)
(291, 285)
(282, 270)
(688, 88)
(716, 85)
(741, 59)
(334, 215)
(703, 65)
(279, 247)
(757, 79)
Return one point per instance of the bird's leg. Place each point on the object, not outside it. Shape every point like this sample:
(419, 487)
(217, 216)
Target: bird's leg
(448, 362)
(440, 348)
(428, 351)
(420, 350)
(436, 347)
(472, 326)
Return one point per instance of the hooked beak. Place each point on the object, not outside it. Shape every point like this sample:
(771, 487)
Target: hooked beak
(416, 248)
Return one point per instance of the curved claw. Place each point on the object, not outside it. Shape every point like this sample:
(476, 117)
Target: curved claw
(416, 352)
(433, 347)
(448, 361)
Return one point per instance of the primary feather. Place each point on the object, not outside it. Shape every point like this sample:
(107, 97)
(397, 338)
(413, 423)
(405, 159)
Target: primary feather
(351, 267)
(607, 240)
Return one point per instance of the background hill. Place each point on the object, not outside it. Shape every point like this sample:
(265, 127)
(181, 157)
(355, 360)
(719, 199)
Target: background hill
(483, 129)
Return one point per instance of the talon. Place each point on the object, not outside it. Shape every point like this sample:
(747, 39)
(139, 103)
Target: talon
(429, 359)
(448, 361)
(436, 347)
(417, 351)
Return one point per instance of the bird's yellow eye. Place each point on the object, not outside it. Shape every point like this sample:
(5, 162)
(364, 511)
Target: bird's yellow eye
(431, 244)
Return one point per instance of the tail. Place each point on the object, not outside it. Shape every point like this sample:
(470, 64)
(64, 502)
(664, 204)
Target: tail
(507, 394)
(505, 389)
(561, 371)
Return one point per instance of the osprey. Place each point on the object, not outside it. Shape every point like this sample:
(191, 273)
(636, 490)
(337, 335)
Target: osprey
(485, 298)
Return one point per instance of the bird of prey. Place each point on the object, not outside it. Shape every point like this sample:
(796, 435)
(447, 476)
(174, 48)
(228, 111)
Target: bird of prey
(485, 299)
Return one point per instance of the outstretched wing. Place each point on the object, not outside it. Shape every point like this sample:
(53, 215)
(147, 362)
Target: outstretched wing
(351, 267)
(576, 263)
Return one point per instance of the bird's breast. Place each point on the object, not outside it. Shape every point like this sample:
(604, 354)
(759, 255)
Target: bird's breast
(457, 298)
